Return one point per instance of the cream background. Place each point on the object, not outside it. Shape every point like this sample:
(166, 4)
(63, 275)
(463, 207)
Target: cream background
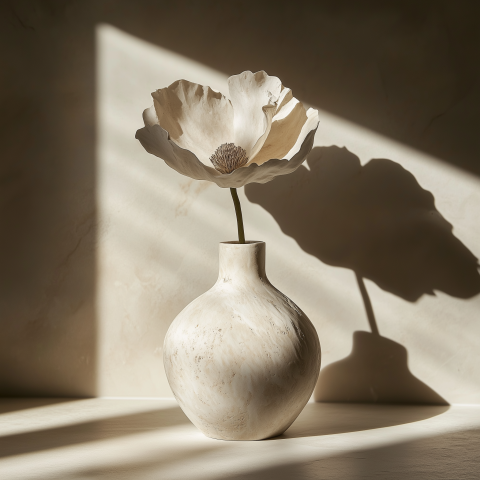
(103, 244)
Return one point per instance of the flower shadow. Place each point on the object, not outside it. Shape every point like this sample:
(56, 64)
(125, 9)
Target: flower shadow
(375, 220)
(379, 222)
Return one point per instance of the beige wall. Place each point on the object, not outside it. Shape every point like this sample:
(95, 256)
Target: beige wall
(47, 202)
(123, 243)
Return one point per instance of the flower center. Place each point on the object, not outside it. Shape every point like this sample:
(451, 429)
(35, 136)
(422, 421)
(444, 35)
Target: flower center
(228, 157)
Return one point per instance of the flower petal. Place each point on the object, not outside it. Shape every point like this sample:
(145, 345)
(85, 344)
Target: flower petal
(196, 117)
(285, 130)
(150, 117)
(253, 96)
(155, 140)
(269, 170)
(310, 124)
(158, 141)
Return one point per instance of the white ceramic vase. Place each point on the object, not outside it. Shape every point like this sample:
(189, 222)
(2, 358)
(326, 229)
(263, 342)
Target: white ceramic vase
(242, 359)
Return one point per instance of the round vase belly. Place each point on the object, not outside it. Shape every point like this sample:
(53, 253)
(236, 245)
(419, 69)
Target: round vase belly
(242, 359)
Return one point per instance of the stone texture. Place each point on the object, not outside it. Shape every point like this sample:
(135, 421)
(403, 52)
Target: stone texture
(242, 359)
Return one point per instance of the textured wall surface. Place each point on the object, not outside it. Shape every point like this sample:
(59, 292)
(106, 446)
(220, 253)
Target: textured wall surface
(47, 202)
(104, 244)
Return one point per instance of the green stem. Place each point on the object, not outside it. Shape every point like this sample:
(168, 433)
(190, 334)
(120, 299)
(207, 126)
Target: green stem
(238, 211)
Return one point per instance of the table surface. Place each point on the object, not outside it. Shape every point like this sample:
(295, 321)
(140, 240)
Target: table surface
(141, 439)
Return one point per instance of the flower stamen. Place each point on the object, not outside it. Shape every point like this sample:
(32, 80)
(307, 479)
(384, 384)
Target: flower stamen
(228, 157)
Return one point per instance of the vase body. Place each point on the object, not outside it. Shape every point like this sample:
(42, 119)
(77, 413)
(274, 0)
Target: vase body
(242, 359)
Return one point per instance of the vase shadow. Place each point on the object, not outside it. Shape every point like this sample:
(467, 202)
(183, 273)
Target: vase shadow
(376, 371)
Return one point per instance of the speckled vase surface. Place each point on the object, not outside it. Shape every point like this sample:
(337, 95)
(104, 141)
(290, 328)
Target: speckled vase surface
(242, 359)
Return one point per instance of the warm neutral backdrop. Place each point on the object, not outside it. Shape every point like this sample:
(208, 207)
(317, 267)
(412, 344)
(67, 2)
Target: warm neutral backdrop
(102, 244)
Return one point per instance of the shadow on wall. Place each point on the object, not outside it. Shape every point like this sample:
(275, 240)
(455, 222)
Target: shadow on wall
(379, 222)
(47, 202)
(375, 220)
(375, 371)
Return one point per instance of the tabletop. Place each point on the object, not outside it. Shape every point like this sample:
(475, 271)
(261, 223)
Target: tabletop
(101, 438)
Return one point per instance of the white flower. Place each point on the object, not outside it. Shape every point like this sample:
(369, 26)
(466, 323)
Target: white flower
(262, 132)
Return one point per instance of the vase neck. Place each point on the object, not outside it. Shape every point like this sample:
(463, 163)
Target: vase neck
(241, 262)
